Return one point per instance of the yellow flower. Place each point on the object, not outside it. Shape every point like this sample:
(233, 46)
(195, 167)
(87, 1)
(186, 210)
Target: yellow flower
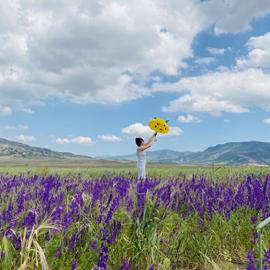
(159, 125)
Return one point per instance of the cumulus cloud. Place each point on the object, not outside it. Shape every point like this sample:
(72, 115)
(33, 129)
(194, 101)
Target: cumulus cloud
(174, 131)
(200, 103)
(189, 118)
(138, 129)
(77, 140)
(235, 90)
(232, 16)
(16, 127)
(25, 138)
(216, 51)
(109, 138)
(5, 110)
(103, 51)
(62, 141)
(267, 121)
(222, 91)
(259, 53)
(205, 60)
(91, 52)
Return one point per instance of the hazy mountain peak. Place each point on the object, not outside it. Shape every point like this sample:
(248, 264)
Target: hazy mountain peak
(11, 149)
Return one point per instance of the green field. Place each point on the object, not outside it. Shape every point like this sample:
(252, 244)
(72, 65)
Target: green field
(163, 237)
(98, 169)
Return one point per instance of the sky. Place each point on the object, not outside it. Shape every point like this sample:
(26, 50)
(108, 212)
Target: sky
(87, 76)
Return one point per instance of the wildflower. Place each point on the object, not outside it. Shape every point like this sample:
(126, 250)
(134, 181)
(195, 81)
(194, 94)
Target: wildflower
(73, 264)
(267, 256)
(73, 241)
(57, 253)
(94, 245)
(29, 220)
(125, 265)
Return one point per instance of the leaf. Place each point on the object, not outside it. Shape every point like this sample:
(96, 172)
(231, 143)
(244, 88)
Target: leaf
(42, 256)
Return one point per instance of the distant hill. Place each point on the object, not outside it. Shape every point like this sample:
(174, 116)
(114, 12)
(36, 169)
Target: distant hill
(13, 150)
(233, 153)
(237, 153)
(161, 156)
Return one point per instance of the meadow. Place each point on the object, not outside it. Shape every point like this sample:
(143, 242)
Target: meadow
(105, 218)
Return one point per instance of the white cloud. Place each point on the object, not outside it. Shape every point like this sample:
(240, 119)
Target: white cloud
(174, 131)
(138, 129)
(259, 42)
(27, 110)
(259, 54)
(237, 90)
(207, 104)
(16, 127)
(222, 91)
(25, 138)
(189, 118)
(82, 140)
(109, 138)
(267, 121)
(216, 51)
(205, 60)
(94, 51)
(5, 110)
(62, 141)
(77, 140)
(231, 16)
(91, 52)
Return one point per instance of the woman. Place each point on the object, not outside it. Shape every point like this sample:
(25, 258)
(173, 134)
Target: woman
(141, 155)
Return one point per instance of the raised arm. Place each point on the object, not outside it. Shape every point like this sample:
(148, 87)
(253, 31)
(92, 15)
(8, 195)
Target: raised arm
(149, 143)
(152, 139)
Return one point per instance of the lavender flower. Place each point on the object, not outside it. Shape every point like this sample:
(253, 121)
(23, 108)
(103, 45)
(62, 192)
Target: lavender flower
(267, 256)
(94, 245)
(57, 253)
(73, 264)
(125, 265)
(29, 220)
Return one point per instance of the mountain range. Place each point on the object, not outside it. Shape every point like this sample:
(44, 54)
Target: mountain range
(232, 153)
(13, 150)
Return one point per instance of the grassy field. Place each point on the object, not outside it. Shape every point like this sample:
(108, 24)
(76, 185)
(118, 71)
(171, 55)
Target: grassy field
(100, 168)
(184, 217)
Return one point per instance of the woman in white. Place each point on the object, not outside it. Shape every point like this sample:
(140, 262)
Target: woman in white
(141, 155)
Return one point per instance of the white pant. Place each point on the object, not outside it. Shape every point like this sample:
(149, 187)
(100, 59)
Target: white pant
(141, 170)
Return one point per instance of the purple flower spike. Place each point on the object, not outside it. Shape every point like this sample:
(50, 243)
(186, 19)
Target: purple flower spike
(57, 253)
(29, 220)
(73, 264)
(94, 245)
(125, 265)
(267, 256)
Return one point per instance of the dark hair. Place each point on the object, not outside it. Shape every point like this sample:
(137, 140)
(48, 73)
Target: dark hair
(139, 141)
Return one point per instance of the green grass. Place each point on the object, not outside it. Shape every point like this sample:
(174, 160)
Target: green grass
(153, 170)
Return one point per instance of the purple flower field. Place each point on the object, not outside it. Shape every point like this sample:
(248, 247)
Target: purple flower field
(58, 222)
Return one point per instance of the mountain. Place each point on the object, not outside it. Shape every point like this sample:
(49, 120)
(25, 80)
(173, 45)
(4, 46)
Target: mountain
(13, 150)
(236, 153)
(161, 156)
(233, 153)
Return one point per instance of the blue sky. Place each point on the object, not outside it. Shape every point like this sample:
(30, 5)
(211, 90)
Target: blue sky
(87, 78)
